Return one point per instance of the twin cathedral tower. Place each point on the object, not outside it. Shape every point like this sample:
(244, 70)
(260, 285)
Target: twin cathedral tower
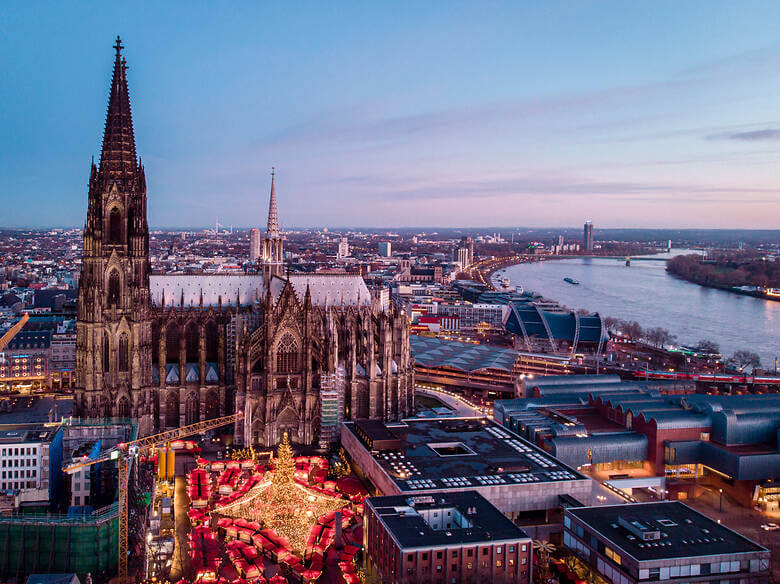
(170, 350)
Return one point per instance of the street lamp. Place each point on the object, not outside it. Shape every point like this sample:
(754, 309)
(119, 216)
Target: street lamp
(721, 499)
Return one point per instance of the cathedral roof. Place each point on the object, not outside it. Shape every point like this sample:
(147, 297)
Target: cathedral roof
(326, 289)
(247, 287)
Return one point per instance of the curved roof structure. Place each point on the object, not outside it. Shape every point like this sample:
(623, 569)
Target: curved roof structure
(430, 352)
(573, 450)
(532, 323)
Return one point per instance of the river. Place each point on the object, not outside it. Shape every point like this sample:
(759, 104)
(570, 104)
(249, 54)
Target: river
(646, 293)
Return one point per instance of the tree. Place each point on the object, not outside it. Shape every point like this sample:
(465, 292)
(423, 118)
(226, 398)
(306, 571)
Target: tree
(611, 323)
(659, 336)
(543, 549)
(632, 330)
(579, 566)
(742, 359)
(708, 346)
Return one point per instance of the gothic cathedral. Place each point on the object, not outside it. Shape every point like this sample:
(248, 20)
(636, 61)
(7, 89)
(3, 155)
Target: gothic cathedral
(295, 352)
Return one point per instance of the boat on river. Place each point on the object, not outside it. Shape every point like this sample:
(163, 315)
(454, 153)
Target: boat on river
(571, 281)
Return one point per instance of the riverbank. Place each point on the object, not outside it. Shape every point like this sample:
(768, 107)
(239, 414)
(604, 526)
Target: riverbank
(746, 276)
(646, 293)
(484, 270)
(732, 289)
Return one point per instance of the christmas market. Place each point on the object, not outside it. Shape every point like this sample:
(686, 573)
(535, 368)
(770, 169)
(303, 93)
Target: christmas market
(266, 518)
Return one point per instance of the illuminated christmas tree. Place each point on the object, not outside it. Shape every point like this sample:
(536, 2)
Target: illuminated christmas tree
(284, 466)
(284, 492)
(284, 505)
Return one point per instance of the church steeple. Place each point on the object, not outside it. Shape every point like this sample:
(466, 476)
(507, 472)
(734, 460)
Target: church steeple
(272, 263)
(113, 339)
(273, 216)
(118, 154)
(116, 213)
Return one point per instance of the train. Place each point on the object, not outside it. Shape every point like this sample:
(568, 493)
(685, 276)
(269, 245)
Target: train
(709, 377)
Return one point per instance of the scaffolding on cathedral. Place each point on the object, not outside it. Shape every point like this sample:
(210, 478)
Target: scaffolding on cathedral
(331, 405)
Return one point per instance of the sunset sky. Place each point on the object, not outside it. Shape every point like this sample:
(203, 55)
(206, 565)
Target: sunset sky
(631, 114)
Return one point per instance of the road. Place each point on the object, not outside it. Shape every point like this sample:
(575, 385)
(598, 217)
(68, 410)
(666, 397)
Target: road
(460, 406)
(181, 505)
(744, 521)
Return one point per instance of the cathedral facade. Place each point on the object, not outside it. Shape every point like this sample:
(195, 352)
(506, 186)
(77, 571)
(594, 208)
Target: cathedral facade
(294, 352)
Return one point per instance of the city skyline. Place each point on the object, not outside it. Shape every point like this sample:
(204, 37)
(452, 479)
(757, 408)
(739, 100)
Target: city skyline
(218, 380)
(540, 116)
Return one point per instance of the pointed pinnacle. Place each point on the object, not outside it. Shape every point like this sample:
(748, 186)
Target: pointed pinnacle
(273, 215)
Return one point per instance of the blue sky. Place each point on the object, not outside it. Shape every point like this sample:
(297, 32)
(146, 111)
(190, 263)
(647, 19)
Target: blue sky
(632, 114)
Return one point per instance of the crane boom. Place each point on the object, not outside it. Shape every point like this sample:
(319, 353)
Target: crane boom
(11, 333)
(120, 454)
(184, 431)
(154, 439)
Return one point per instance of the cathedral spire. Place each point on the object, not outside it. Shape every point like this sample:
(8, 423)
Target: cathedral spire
(273, 215)
(118, 154)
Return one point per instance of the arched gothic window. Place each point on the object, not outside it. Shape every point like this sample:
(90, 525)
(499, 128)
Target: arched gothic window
(191, 409)
(212, 405)
(113, 289)
(106, 354)
(123, 410)
(172, 343)
(287, 355)
(212, 341)
(115, 226)
(155, 342)
(193, 342)
(172, 410)
(124, 353)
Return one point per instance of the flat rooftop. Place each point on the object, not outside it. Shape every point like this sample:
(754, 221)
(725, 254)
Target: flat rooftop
(463, 453)
(27, 434)
(34, 409)
(684, 532)
(471, 520)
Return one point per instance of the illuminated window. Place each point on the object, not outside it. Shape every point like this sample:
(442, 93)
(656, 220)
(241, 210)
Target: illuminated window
(612, 555)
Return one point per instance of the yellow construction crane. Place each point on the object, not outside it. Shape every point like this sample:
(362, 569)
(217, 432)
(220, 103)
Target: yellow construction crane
(6, 338)
(124, 450)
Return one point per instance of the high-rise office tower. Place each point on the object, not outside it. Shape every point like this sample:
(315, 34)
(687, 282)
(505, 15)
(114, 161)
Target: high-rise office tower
(587, 239)
(254, 245)
(343, 248)
(464, 252)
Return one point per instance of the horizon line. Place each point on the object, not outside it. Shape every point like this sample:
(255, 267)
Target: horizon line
(406, 227)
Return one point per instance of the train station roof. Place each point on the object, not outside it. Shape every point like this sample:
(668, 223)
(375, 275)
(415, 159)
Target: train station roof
(431, 352)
